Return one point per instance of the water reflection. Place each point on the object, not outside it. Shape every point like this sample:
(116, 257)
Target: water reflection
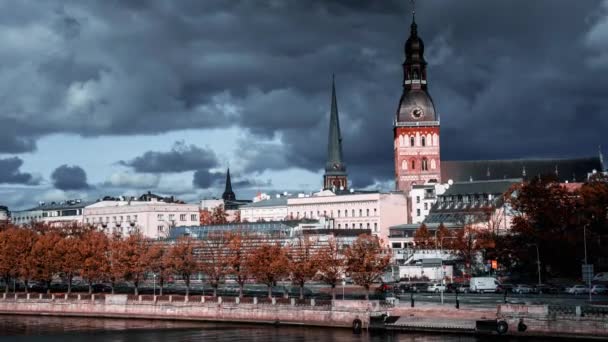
(51, 329)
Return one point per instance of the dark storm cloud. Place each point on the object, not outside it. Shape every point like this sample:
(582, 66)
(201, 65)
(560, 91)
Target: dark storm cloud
(204, 179)
(70, 178)
(181, 158)
(510, 79)
(10, 173)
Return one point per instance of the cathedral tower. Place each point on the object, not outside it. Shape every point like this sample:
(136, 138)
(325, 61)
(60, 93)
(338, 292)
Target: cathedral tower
(335, 170)
(416, 125)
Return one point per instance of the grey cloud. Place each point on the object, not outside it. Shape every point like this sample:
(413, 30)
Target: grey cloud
(70, 178)
(10, 173)
(510, 78)
(132, 180)
(181, 158)
(204, 179)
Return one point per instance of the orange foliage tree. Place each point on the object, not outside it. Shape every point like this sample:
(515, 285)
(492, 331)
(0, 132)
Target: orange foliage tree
(24, 240)
(366, 261)
(302, 262)
(331, 265)
(237, 259)
(422, 237)
(182, 260)
(46, 259)
(214, 261)
(94, 252)
(157, 258)
(268, 263)
(132, 259)
(9, 256)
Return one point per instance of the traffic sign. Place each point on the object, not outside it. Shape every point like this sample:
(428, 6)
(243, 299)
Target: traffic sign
(587, 272)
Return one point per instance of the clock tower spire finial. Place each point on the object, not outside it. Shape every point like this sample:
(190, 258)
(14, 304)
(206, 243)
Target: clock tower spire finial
(335, 169)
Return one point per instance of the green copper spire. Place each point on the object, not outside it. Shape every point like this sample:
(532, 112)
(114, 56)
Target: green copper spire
(335, 169)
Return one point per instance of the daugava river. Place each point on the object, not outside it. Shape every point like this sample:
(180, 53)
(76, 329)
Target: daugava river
(59, 329)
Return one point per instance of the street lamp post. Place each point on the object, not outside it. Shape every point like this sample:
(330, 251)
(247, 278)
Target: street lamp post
(441, 264)
(537, 262)
(154, 284)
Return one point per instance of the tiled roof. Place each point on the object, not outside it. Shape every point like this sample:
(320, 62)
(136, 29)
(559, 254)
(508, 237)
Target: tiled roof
(481, 187)
(566, 169)
(271, 202)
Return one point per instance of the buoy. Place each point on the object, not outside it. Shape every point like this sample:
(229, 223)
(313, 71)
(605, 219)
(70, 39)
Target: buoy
(357, 325)
(502, 327)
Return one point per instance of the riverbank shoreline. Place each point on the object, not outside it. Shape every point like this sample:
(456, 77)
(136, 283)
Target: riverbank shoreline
(538, 320)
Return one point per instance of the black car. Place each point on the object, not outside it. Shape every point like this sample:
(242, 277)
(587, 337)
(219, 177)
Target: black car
(101, 288)
(505, 287)
(545, 289)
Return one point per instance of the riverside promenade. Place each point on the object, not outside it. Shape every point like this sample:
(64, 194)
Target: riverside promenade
(520, 320)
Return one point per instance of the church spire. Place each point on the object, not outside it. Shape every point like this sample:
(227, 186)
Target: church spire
(228, 194)
(335, 170)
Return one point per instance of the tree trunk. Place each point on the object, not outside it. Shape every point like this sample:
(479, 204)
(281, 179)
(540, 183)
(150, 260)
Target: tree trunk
(136, 290)
(160, 284)
(366, 292)
(269, 291)
(90, 288)
(187, 280)
(241, 286)
(302, 290)
(26, 282)
(333, 291)
(48, 286)
(6, 281)
(112, 286)
(70, 276)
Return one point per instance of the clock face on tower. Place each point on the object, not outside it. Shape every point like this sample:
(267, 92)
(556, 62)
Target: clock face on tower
(417, 113)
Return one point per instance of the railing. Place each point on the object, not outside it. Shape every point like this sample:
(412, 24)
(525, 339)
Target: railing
(578, 311)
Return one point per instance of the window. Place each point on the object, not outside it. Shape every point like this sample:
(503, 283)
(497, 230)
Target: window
(345, 213)
(417, 212)
(160, 216)
(128, 218)
(375, 227)
(135, 218)
(159, 229)
(324, 213)
(311, 214)
(338, 213)
(423, 141)
(353, 212)
(433, 164)
(339, 225)
(193, 217)
(417, 199)
(413, 165)
(404, 165)
(396, 245)
(360, 225)
(360, 212)
(425, 166)
(412, 141)
(375, 210)
(367, 212)
(367, 225)
(182, 217)
(113, 218)
(426, 206)
(171, 217)
(346, 225)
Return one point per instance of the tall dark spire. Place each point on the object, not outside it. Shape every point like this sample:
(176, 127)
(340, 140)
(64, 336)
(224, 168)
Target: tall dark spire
(228, 194)
(334, 165)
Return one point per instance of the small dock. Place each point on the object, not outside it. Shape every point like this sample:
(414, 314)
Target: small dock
(466, 326)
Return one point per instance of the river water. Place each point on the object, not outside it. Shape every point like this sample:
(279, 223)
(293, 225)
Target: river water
(58, 329)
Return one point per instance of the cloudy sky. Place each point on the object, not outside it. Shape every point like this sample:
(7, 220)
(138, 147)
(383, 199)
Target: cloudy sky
(120, 97)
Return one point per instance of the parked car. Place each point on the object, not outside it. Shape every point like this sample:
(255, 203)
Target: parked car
(418, 287)
(522, 289)
(599, 289)
(602, 276)
(435, 287)
(505, 287)
(545, 289)
(451, 287)
(464, 288)
(577, 289)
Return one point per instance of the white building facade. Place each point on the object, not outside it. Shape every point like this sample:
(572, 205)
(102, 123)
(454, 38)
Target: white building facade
(153, 219)
(422, 198)
(270, 209)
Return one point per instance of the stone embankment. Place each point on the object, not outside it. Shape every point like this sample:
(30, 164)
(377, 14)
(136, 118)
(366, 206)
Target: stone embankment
(528, 320)
(250, 310)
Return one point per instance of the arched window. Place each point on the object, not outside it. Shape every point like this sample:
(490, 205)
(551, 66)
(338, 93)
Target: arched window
(423, 141)
(404, 165)
(433, 164)
(429, 139)
(411, 141)
(413, 165)
(435, 139)
(401, 140)
(425, 166)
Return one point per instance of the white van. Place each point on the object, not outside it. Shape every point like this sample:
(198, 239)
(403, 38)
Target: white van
(483, 284)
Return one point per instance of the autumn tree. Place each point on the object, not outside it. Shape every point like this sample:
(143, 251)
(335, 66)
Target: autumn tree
(366, 261)
(268, 263)
(182, 260)
(302, 262)
(205, 217)
(115, 270)
(157, 263)
(46, 259)
(237, 217)
(71, 259)
(219, 215)
(24, 240)
(93, 248)
(444, 236)
(331, 265)
(132, 258)
(237, 259)
(422, 237)
(9, 257)
(214, 261)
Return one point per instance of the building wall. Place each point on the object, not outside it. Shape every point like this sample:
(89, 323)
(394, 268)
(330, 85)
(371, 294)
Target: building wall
(152, 219)
(373, 211)
(271, 213)
(408, 155)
